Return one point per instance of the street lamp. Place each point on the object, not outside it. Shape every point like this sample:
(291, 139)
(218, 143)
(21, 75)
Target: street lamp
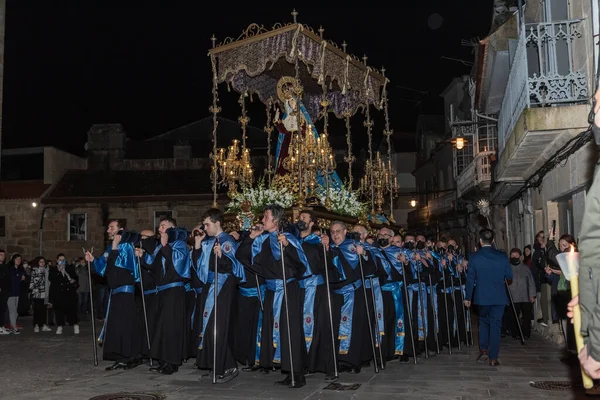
(459, 142)
(34, 204)
(413, 203)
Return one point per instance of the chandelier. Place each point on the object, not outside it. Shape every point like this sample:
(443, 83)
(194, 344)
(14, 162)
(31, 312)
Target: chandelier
(235, 168)
(379, 179)
(311, 157)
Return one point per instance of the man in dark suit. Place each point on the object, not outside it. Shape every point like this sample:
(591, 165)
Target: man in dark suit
(488, 268)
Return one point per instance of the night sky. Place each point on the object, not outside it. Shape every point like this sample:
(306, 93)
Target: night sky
(70, 66)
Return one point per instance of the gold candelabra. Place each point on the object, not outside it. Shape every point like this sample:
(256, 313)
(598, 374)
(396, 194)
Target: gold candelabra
(235, 168)
(310, 156)
(380, 178)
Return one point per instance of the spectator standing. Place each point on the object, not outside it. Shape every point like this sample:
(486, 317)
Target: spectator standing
(39, 286)
(16, 275)
(83, 291)
(523, 292)
(64, 285)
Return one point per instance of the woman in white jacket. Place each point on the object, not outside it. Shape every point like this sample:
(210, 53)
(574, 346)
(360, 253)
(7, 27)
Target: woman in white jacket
(39, 288)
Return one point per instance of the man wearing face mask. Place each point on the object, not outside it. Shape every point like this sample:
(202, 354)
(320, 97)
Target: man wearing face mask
(523, 292)
(313, 291)
(398, 336)
(416, 292)
(459, 277)
(373, 283)
(429, 277)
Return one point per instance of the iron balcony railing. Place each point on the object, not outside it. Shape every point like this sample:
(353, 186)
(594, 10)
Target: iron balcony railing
(476, 174)
(543, 72)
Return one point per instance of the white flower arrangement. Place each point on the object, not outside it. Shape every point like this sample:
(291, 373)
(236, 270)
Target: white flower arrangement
(342, 201)
(259, 197)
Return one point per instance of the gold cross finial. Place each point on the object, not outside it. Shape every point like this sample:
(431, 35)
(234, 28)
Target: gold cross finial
(365, 58)
(344, 45)
(383, 71)
(214, 40)
(294, 14)
(321, 30)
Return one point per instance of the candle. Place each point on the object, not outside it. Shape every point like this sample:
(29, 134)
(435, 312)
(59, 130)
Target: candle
(573, 277)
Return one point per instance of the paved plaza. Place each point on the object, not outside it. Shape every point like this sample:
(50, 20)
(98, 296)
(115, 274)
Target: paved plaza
(45, 366)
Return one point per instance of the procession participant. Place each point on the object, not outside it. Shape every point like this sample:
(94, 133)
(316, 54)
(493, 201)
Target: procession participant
(248, 317)
(261, 252)
(211, 242)
(317, 329)
(169, 342)
(430, 276)
(445, 303)
(397, 338)
(148, 244)
(459, 279)
(121, 334)
(350, 307)
(416, 291)
(374, 282)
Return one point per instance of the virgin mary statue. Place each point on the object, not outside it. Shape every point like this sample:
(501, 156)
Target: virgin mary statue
(289, 124)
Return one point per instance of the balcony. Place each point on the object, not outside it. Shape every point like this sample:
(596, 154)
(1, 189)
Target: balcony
(545, 102)
(477, 175)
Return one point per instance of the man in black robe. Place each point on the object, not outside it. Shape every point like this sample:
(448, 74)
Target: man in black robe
(121, 334)
(212, 245)
(170, 338)
(354, 338)
(317, 325)
(248, 315)
(262, 253)
(148, 244)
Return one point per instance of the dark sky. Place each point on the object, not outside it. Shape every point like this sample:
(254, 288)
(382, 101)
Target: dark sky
(70, 66)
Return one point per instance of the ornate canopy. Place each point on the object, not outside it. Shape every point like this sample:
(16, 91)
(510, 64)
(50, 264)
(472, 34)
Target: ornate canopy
(258, 58)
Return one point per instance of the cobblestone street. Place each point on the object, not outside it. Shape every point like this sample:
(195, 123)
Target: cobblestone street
(45, 366)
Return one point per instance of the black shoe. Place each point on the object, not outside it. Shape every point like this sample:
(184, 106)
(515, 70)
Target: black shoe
(299, 381)
(252, 368)
(157, 367)
(169, 369)
(264, 371)
(329, 378)
(115, 366)
(133, 363)
(207, 375)
(286, 382)
(404, 359)
(228, 375)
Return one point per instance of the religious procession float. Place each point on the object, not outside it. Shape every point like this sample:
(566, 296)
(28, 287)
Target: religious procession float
(302, 79)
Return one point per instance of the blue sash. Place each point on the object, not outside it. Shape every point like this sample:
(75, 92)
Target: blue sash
(432, 291)
(228, 248)
(395, 288)
(126, 260)
(150, 291)
(310, 290)
(263, 291)
(120, 289)
(276, 285)
(210, 301)
(169, 286)
(345, 331)
(420, 291)
(276, 250)
(380, 329)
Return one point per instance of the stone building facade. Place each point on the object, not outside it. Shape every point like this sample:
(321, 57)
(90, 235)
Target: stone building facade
(27, 174)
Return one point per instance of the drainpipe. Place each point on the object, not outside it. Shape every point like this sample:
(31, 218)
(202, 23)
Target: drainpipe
(41, 231)
(506, 210)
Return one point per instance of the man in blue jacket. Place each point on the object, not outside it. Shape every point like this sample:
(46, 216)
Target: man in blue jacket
(488, 268)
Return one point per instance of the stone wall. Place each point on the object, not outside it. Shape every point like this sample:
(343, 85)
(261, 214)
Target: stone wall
(139, 216)
(21, 227)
